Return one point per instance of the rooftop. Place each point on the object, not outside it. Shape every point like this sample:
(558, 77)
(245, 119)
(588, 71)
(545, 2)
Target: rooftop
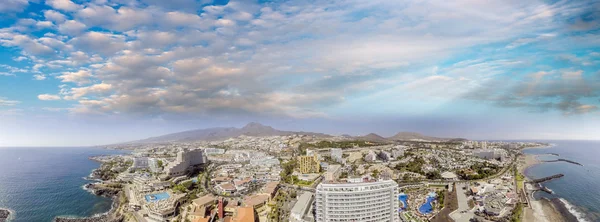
(256, 200)
(206, 199)
(244, 214)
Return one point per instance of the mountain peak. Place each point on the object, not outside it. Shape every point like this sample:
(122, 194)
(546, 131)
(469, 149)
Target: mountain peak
(255, 125)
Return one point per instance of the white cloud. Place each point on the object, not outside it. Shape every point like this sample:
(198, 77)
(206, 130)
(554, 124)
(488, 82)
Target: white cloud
(243, 57)
(54, 16)
(47, 97)
(71, 27)
(6, 102)
(80, 77)
(39, 77)
(100, 42)
(64, 5)
(13, 5)
(44, 24)
(77, 93)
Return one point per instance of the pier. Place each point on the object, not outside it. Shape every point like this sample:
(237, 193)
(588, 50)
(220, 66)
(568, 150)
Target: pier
(541, 180)
(563, 160)
(545, 189)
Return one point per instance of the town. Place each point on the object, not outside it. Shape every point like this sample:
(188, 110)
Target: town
(312, 178)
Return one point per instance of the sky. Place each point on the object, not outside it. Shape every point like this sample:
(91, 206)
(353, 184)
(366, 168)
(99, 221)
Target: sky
(76, 72)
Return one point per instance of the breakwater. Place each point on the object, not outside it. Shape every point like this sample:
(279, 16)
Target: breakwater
(563, 160)
(544, 179)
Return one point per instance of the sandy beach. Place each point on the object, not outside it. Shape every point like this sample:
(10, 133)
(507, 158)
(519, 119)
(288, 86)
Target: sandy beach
(540, 210)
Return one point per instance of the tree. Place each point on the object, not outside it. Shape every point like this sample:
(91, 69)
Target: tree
(375, 173)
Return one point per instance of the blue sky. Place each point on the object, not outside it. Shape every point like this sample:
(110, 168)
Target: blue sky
(94, 72)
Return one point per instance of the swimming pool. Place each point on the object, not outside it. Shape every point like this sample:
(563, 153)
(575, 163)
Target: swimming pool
(157, 196)
(403, 197)
(427, 208)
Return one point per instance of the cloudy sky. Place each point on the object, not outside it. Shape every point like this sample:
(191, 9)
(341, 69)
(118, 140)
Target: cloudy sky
(76, 72)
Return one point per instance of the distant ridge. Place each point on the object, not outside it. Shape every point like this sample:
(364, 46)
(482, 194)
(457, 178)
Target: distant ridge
(412, 136)
(372, 137)
(260, 130)
(221, 133)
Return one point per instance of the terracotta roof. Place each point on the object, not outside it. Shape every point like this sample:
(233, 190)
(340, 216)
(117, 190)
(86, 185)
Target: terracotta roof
(244, 214)
(221, 179)
(270, 187)
(256, 200)
(205, 219)
(227, 186)
(206, 199)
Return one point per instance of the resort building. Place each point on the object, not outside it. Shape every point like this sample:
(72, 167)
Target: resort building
(140, 163)
(337, 156)
(333, 172)
(186, 160)
(490, 154)
(153, 164)
(301, 207)
(309, 164)
(370, 157)
(375, 201)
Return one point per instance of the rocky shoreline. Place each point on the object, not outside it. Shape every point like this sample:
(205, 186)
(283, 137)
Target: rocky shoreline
(4, 215)
(103, 189)
(110, 216)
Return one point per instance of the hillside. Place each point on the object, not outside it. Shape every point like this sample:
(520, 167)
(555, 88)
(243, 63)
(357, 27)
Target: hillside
(221, 133)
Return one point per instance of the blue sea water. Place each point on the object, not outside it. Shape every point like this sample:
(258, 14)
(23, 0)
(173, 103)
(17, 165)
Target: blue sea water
(580, 187)
(39, 184)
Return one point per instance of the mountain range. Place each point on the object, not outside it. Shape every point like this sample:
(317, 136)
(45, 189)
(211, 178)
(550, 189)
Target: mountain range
(257, 129)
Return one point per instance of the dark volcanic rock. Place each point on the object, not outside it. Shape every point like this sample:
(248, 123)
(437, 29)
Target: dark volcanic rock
(4, 214)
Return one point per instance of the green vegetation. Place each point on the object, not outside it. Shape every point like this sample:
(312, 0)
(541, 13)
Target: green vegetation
(299, 182)
(441, 194)
(344, 175)
(517, 213)
(160, 163)
(520, 179)
(435, 175)
(338, 144)
(479, 171)
(276, 210)
(414, 166)
(288, 169)
(185, 186)
(375, 173)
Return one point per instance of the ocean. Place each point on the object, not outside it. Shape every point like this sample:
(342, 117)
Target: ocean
(39, 184)
(579, 188)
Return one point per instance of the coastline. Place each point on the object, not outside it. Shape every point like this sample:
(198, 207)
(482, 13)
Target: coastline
(95, 189)
(544, 209)
(539, 210)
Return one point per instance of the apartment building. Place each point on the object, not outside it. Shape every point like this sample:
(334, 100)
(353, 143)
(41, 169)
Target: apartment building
(373, 201)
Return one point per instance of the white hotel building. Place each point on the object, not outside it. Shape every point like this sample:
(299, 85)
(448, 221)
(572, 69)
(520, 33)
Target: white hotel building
(185, 160)
(363, 201)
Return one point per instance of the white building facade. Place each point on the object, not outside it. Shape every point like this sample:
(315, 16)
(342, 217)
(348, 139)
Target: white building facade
(364, 201)
(185, 160)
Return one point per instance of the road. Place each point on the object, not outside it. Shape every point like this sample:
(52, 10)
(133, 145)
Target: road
(463, 205)
(129, 193)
